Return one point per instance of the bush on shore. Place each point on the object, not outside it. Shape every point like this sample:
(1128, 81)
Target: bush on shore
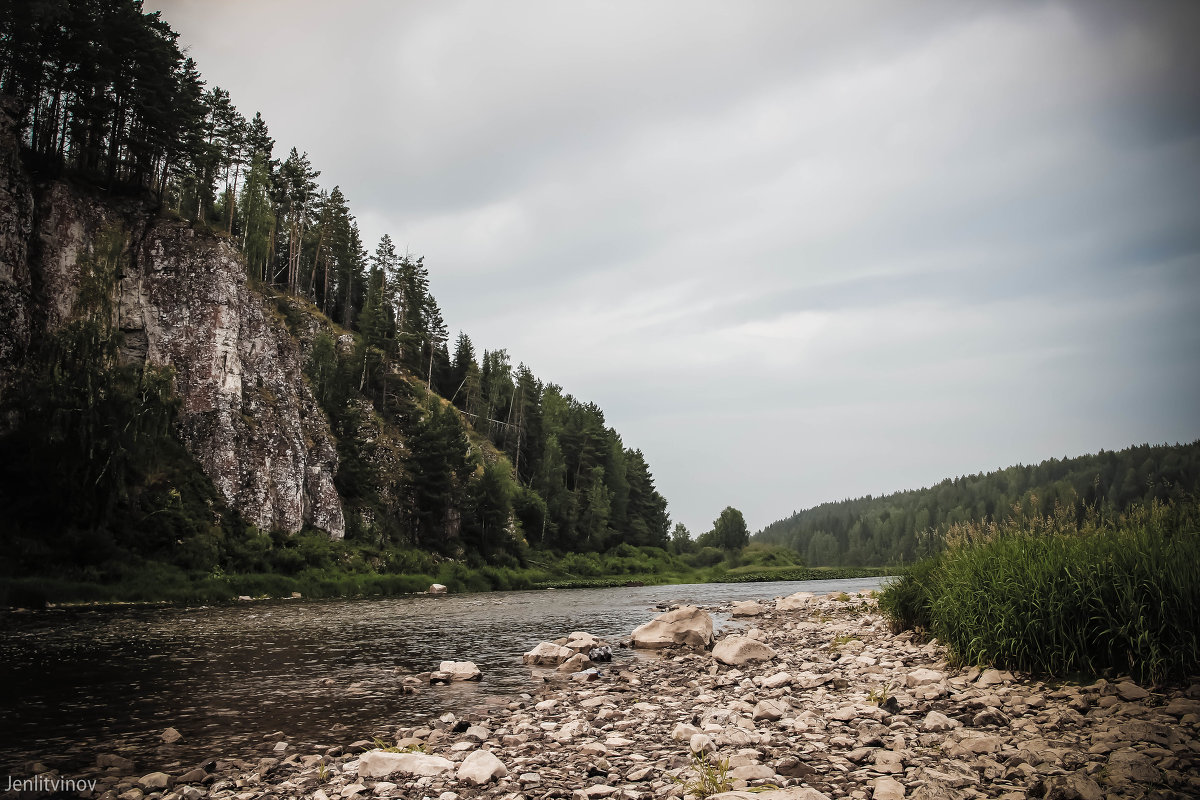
(1064, 593)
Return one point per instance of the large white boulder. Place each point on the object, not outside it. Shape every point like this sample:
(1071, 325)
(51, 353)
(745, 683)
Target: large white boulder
(381, 763)
(738, 650)
(686, 626)
(480, 767)
(461, 670)
(437, 588)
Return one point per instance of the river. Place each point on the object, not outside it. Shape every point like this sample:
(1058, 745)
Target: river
(81, 681)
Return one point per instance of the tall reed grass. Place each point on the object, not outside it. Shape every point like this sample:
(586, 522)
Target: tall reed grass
(1064, 592)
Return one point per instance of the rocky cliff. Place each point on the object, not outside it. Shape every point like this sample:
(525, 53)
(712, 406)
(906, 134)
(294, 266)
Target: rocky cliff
(180, 299)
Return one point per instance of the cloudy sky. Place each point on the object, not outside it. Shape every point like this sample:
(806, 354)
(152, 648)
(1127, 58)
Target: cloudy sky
(796, 251)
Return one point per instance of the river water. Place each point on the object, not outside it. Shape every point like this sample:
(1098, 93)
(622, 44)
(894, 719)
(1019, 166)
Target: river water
(231, 679)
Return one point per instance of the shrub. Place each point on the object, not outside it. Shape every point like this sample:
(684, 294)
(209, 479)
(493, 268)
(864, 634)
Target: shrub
(906, 601)
(1060, 595)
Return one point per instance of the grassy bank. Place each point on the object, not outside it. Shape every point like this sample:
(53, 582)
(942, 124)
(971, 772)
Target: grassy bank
(1064, 592)
(346, 570)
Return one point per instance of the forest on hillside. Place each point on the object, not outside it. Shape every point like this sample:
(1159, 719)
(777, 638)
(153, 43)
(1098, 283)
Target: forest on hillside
(443, 448)
(902, 527)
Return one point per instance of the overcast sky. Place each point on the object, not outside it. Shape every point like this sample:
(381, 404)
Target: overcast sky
(796, 251)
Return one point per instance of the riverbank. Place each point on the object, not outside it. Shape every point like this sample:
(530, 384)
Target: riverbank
(165, 586)
(844, 709)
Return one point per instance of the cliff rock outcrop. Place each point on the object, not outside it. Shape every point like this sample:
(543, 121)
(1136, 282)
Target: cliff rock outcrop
(180, 299)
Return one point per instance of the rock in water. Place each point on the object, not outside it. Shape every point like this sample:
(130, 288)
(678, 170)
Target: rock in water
(461, 670)
(437, 588)
(748, 608)
(171, 736)
(738, 650)
(547, 654)
(480, 767)
(576, 663)
(686, 626)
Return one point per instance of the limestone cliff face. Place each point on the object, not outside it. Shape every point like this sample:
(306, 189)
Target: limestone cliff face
(16, 231)
(248, 415)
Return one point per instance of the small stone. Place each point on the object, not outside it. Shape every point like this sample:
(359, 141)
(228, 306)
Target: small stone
(115, 762)
(794, 602)
(353, 789)
(776, 681)
(683, 732)
(701, 743)
(923, 677)
(889, 761)
(1131, 691)
(936, 722)
(747, 608)
(380, 764)
(770, 710)
(155, 780)
(738, 650)
(887, 789)
(752, 772)
(1072, 787)
(171, 736)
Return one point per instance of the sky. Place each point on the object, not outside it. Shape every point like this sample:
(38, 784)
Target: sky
(796, 251)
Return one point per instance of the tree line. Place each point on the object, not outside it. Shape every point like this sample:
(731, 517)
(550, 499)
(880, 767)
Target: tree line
(902, 527)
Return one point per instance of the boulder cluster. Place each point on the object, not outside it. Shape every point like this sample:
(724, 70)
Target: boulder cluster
(815, 699)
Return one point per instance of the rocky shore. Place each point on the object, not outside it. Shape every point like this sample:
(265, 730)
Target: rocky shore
(813, 697)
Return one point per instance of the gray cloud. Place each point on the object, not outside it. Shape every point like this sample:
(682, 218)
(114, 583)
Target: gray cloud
(796, 251)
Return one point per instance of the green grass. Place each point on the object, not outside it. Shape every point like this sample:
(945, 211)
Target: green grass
(1061, 595)
(318, 568)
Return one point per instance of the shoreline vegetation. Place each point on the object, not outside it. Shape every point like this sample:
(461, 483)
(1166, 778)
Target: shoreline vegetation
(1064, 591)
(153, 582)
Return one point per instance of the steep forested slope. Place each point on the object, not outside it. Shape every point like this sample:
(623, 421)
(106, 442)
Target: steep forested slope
(199, 358)
(900, 527)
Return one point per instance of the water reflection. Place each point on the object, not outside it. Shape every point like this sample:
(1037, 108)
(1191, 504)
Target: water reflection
(76, 682)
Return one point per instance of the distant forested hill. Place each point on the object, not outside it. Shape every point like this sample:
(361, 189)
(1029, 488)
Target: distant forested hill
(900, 527)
